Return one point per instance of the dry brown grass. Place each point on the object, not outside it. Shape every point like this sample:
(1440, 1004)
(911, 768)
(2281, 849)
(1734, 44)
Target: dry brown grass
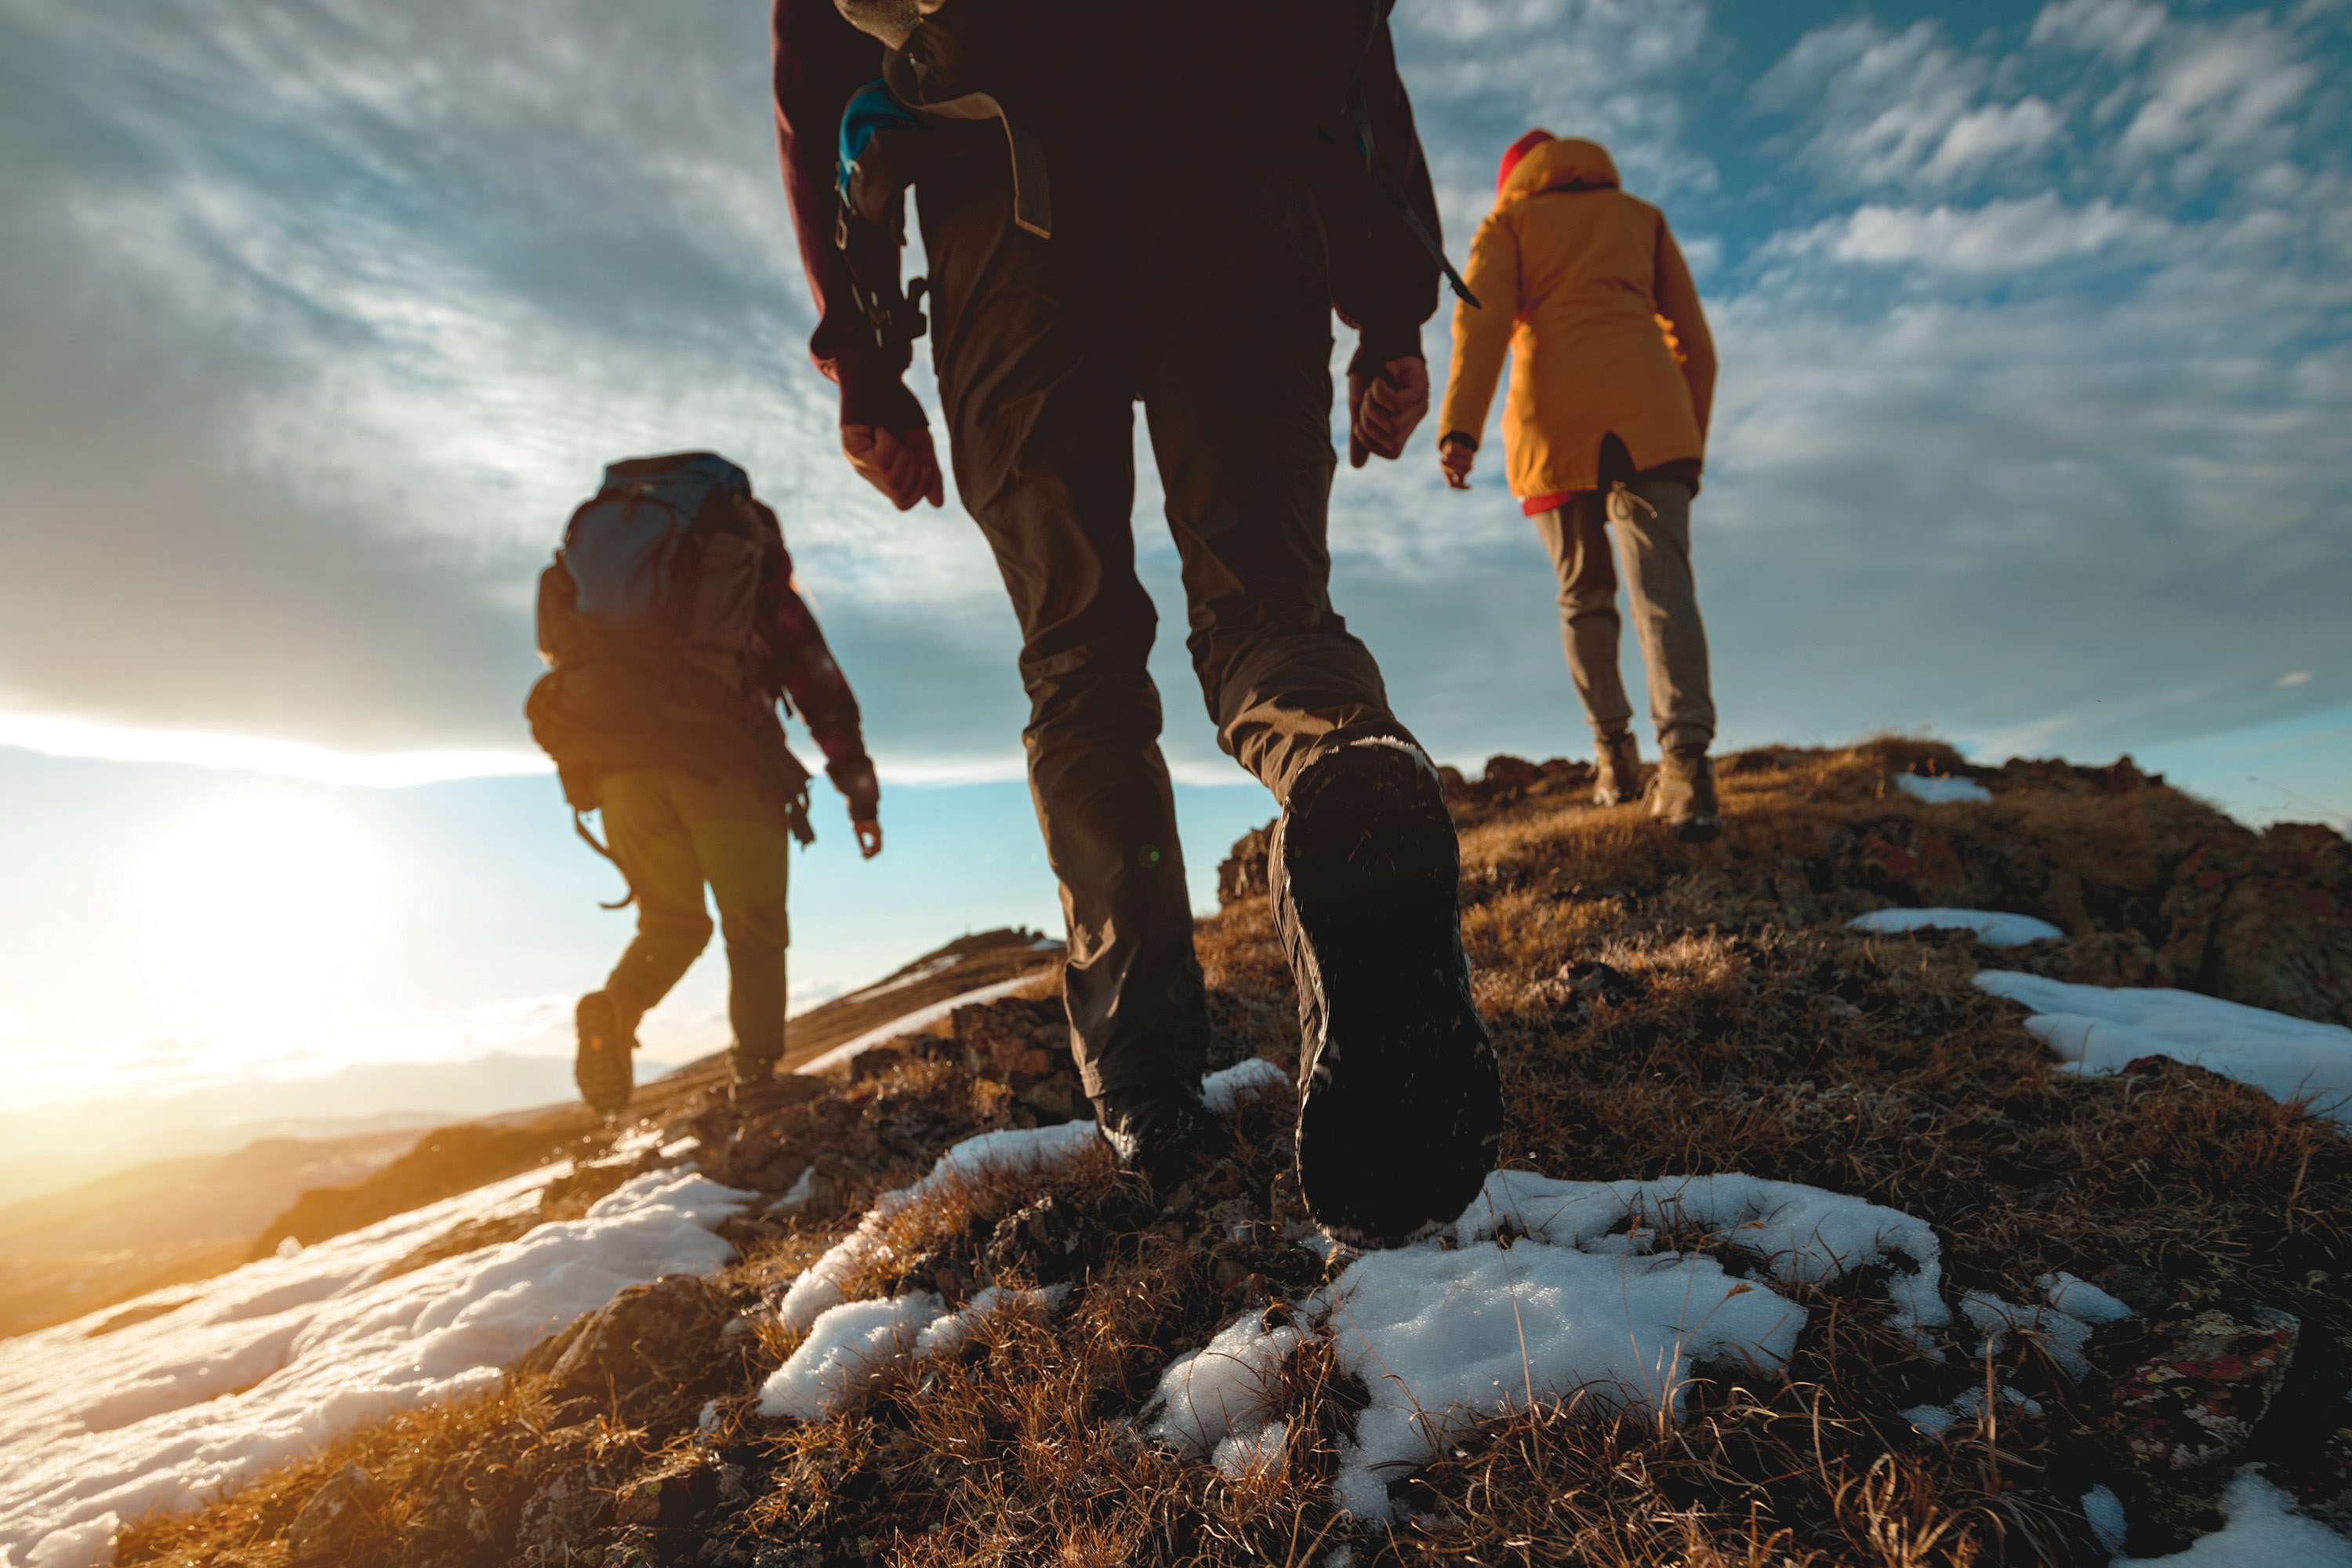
(1739, 1027)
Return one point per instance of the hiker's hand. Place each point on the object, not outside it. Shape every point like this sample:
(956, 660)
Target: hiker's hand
(870, 837)
(1455, 458)
(902, 467)
(1382, 412)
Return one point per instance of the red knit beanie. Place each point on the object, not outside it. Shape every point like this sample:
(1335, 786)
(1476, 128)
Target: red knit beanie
(1517, 151)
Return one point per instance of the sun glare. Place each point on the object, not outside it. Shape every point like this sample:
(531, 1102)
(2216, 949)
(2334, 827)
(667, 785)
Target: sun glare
(269, 907)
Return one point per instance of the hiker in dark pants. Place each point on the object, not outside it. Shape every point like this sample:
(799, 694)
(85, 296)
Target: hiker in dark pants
(1201, 233)
(674, 627)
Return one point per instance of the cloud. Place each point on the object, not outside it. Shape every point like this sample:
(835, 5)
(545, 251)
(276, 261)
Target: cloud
(2002, 235)
(319, 319)
(1879, 108)
(2219, 94)
(2117, 29)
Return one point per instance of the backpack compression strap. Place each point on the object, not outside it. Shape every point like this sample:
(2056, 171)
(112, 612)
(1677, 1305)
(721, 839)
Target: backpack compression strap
(1360, 112)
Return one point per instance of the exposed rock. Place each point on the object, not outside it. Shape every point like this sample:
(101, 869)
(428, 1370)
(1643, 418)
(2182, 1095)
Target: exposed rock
(669, 1496)
(1244, 873)
(336, 1518)
(1047, 1241)
(1013, 1040)
(562, 1516)
(648, 1342)
(2199, 1384)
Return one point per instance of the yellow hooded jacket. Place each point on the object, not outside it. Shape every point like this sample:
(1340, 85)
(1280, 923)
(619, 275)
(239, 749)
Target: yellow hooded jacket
(1586, 288)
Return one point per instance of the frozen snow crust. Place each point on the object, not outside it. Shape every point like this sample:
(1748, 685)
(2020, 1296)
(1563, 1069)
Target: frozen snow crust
(2099, 1029)
(274, 1359)
(1992, 927)
(850, 1341)
(1551, 1288)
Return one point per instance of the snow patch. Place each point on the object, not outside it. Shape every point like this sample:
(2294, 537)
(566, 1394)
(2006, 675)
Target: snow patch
(1805, 1235)
(800, 1192)
(1262, 1455)
(2262, 1532)
(2063, 1335)
(270, 1361)
(846, 1347)
(2105, 1511)
(1943, 791)
(1992, 928)
(2081, 1297)
(1224, 1390)
(2099, 1029)
(852, 1343)
(1550, 1291)
(89, 1544)
(1223, 1092)
(817, 1290)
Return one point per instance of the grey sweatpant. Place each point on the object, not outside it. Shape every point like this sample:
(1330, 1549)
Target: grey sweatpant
(1650, 518)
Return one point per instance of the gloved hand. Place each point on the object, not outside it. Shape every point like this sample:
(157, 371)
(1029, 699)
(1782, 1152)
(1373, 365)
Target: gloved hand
(869, 836)
(1382, 411)
(902, 465)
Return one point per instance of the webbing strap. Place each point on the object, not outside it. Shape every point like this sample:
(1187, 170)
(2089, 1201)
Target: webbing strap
(1360, 112)
(580, 825)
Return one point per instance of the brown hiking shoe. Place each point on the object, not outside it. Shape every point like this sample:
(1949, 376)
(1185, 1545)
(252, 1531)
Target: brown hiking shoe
(1682, 795)
(602, 1070)
(1616, 769)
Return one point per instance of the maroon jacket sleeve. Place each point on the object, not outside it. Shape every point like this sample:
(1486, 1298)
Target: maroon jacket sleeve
(1383, 282)
(820, 61)
(803, 669)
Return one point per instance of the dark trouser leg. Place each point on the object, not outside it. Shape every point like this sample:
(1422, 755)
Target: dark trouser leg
(655, 851)
(1036, 399)
(1576, 535)
(1402, 1110)
(1237, 391)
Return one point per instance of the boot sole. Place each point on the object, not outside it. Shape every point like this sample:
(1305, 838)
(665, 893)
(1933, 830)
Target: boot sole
(1400, 1115)
(602, 1067)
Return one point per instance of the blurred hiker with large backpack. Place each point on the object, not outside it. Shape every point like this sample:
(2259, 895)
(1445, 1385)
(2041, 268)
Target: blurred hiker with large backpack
(1604, 431)
(673, 627)
(1162, 205)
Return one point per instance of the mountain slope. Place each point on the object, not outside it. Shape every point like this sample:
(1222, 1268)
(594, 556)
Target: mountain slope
(2116, 1289)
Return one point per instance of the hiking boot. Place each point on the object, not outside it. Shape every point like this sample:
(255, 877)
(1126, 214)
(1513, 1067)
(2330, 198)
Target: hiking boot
(1401, 1110)
(602, 1068)
(1161, 1130)
(1616, 769)
(750, 1072)
(1682, 795)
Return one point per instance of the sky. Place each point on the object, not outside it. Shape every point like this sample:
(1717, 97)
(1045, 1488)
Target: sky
(319, 317)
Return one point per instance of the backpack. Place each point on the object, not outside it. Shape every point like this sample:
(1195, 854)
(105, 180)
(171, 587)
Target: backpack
(649, 619)
(954, 61)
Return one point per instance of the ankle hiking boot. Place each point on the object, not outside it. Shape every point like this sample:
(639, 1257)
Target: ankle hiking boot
(1401, 1104)
(1682, 795)
(1161, 1130)
(601, 1069)
(750, 1072)
(1616, 769)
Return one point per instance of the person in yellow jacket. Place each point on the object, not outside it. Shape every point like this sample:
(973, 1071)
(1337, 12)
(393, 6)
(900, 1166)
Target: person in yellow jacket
(1604, 430)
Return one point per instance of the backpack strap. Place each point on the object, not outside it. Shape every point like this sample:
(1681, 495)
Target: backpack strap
(1360, 112)
(580, 825)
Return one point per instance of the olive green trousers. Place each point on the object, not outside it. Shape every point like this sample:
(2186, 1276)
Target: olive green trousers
(673, 833)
